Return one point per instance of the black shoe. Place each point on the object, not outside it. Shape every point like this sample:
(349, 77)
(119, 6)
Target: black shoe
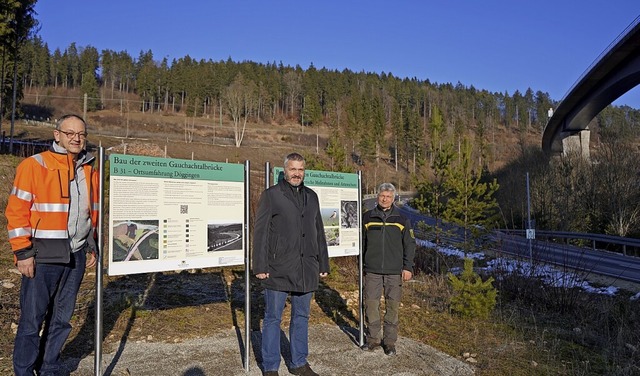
(390, 350)
(270, 373)
(303, 371)
(370, 346)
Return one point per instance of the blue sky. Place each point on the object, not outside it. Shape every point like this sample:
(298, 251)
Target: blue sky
(497, 45)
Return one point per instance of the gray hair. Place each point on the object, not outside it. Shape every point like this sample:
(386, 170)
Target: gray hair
(68, 116)
(387, 187)
(293, 157)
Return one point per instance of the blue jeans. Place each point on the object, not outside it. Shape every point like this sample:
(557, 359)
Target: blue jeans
(298, 328)
(51, 293)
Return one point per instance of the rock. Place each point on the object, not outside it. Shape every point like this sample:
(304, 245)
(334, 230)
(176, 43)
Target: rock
(8, 285)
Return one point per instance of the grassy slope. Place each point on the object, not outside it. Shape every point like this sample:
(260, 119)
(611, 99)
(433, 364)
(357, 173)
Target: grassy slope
(171, 307)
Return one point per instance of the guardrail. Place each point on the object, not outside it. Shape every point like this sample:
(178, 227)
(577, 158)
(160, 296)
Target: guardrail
(594, 238)
(21, 147)
(449, 234)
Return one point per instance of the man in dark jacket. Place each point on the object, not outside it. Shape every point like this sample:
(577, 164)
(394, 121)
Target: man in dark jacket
(289, 256)
(389, 248)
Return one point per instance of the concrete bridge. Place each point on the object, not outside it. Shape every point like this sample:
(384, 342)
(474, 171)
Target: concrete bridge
(614, 72)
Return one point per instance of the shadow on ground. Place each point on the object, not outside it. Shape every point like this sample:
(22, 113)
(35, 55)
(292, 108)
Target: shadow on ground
(333, 347)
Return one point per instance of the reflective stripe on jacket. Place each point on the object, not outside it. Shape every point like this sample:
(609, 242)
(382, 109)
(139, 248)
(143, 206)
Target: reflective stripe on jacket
(38, 206)
(389, 245)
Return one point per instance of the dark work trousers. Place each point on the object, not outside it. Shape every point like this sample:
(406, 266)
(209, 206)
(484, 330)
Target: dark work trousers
(374, 286)
(55, 288)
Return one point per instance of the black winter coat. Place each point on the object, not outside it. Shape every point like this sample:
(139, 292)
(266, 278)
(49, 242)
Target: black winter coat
(289, 241)
(389, 244)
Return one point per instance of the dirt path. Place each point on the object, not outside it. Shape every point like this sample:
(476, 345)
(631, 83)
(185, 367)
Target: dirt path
(332, 352)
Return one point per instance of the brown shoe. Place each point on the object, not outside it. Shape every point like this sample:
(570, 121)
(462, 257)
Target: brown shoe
(303, 371)
(270, 373)
(370, 346)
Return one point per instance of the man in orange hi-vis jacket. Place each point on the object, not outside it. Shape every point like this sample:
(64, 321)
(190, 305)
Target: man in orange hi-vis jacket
(52, 215)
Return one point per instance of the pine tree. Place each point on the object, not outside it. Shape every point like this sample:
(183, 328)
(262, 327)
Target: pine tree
(335, 151)
(89, 84)
(89, 87)
(472, 297)
(433, 194)
(471, 204)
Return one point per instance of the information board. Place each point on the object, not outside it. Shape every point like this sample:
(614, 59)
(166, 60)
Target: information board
(174, 214)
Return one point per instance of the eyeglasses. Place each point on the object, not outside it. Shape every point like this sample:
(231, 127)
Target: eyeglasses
(72, 134)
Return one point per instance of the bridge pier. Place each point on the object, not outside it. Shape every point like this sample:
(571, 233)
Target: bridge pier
(576, 143)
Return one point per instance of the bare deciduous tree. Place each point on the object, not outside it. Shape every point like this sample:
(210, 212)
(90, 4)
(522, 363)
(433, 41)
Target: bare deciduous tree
(240, 98)
(617, 170)
(293, 85)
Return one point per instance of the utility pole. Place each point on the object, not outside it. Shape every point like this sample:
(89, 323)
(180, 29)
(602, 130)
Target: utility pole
(84, 106)
(14, 100)
(531, 233)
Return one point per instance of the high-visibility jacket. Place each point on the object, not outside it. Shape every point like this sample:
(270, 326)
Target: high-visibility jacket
(38, 206)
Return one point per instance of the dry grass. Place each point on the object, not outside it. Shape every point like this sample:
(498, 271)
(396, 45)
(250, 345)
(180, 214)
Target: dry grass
(9, 302)
(518, 339)
(523, 337)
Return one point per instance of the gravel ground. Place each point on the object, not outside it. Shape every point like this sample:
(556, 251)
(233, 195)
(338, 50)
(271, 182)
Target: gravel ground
(333, 351)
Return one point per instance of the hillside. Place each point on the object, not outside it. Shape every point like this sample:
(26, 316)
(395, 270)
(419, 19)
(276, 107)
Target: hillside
(120, 128)
(564, 332)
(535, 329)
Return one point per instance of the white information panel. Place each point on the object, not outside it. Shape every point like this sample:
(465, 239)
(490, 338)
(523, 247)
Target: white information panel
(174, 214)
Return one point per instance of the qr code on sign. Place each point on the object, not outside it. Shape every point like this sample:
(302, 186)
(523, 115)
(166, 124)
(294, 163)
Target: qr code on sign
(184, 209)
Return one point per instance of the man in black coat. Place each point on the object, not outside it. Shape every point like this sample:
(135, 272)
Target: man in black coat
(289, 256)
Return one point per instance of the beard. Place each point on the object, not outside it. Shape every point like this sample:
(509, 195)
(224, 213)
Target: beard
(296, 183)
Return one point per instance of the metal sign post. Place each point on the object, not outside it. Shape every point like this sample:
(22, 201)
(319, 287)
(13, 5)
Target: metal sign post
(360, 265)
(530, 232)
(99, 268)
(247, 269)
